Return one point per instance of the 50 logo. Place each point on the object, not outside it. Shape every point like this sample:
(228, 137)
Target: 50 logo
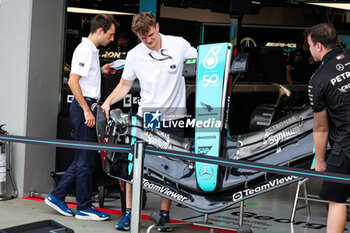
(209, 79)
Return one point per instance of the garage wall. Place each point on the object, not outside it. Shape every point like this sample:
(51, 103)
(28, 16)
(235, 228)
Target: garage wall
(193, 14)
(281, 16)
(14, 67)
(31, 60)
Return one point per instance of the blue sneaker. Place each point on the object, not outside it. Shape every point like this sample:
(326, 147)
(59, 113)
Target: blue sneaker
(166, 219)
(91, 214)
(60, 206)
(124, 222)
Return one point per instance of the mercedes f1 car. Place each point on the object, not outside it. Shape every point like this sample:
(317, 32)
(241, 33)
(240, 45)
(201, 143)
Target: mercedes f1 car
(205, 187)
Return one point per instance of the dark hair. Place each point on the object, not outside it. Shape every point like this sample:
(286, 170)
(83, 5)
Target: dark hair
(142, 22)
(102, 21)
(324, 33)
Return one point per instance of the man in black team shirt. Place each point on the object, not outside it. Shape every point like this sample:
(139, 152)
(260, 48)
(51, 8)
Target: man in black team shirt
(329, 92)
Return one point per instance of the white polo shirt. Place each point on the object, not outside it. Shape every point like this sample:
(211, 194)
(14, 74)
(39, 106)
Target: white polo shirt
(161, 82)
(86, 63)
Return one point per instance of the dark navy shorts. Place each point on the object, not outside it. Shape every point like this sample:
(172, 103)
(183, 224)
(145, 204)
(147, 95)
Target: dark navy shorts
(336, 192)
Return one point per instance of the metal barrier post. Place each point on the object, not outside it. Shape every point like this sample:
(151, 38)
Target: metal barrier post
(139, 152)
(241, 213)
(3, 146)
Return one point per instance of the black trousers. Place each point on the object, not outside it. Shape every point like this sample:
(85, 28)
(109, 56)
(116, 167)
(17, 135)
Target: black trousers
(80, 172)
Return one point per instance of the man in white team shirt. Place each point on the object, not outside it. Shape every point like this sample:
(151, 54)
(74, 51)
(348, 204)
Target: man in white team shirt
(84, 82)
(157, 63)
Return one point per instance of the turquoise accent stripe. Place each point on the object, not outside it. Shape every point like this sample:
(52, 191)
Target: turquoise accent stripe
(133, 140)
(314, 160)
(202, 39)
(131, 156)
(133, 123)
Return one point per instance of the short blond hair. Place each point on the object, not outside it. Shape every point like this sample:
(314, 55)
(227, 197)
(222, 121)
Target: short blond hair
(141, 23)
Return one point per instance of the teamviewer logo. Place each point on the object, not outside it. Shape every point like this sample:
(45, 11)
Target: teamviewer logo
(237, 196)
(151, 120)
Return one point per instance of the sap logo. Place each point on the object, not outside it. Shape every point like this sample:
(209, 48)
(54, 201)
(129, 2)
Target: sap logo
(151, 119)
(204, 149)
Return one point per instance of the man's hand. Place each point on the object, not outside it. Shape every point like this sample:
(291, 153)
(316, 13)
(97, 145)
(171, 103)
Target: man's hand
(89, 119)
(117, 94)
(320, 165)
(106, 107)
(105, 68)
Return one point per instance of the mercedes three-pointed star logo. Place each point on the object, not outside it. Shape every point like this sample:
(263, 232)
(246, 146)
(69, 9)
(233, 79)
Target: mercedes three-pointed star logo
(339, 67)
(206, 171)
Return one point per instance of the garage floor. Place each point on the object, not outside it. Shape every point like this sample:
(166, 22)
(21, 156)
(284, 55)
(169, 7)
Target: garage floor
(269, 212)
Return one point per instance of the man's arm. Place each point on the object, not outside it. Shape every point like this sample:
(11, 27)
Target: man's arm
(289, 77)
(189, 51)
(320, 133)
(117, 94)
(74, 86)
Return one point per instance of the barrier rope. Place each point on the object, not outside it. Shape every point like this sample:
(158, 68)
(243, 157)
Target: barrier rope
(333, 177)
(67, 143)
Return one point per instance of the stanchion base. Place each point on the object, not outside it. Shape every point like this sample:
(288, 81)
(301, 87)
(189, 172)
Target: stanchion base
(4, 198)
(198, 224)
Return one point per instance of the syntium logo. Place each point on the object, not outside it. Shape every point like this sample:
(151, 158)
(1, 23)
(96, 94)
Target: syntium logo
(204, 149)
